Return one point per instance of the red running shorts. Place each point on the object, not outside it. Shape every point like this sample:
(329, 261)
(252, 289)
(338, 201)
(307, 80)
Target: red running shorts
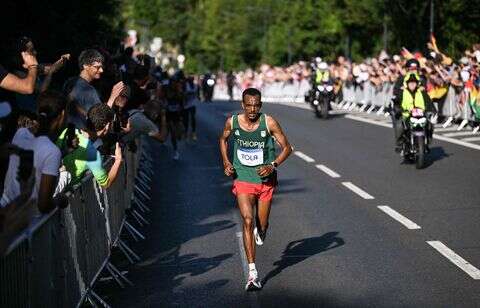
(262, 191)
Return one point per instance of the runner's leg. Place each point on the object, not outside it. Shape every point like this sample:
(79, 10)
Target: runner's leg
(263, 212)
(246, 203)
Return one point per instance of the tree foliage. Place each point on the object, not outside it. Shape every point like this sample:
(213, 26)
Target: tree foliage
(59, 26)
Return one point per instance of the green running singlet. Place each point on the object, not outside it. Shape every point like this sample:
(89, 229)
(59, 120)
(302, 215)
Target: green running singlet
(251, 150)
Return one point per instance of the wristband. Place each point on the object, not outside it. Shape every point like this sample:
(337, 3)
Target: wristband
(274, 164)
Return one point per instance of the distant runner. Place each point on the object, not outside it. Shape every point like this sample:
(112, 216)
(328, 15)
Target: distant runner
(254, 170)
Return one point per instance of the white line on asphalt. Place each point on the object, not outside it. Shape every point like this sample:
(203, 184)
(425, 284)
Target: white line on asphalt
(328, 171)
(448, 129)
(468, 268)
(399, 217)
(435, 136)
(459, 142)
(459, 134)
(352, 117)
(358, 190)
(305, 157)
(471, 139)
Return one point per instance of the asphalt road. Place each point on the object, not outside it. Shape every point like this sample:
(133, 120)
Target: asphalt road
(329, 244)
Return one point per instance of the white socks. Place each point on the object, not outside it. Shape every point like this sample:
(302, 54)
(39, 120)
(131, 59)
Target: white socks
(251, 267)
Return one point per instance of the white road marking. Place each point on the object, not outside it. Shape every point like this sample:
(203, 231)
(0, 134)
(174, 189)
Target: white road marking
(399, 217)
(303, 156)
(435, 136)
(352, 117)
(459, 134)
(471, 139)
(440, 129)
(328, 171)
(459, 142)
(468, 268)
(358, 190)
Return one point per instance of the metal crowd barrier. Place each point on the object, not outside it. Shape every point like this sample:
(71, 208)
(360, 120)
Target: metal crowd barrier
(56, 261)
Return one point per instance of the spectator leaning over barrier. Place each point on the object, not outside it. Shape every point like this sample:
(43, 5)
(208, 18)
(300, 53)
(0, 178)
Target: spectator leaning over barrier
(46, 155)
(80, 153)
(81, 94)
(142, 122)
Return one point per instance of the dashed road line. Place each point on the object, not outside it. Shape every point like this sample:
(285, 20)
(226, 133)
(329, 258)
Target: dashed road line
(328, 171)
(399, 217)
(303, 156)
(463, 264)
(358, 190)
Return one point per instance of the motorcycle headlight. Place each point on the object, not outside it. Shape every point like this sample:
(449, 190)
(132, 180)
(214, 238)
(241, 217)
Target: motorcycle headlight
(329, 88)
(315, 102)
(420, 121)
(321, 88)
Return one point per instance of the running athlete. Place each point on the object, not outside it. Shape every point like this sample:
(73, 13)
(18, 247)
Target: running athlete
(254, 170)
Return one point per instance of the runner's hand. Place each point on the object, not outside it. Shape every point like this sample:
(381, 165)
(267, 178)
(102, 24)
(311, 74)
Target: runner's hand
(265, 171)
(228, 169)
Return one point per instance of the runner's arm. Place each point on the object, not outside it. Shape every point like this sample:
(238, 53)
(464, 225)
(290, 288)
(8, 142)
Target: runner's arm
(227, 130)
(277, 132)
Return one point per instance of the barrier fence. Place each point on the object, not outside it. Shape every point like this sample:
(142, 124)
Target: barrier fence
(56, 261)
(362, 97)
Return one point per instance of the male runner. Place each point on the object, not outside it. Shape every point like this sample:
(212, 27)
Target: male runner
(254, 170)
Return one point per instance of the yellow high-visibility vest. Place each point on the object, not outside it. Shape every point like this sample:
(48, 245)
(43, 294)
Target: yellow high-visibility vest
(409, 102)
(322, 76)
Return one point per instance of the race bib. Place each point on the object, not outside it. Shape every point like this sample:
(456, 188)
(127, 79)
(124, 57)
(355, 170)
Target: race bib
(250, 157)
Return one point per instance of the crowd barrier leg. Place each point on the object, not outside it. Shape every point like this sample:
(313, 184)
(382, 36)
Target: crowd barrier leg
(141, 205)
(117, 275)
(92, 297)
(133, 232)
(128, 252)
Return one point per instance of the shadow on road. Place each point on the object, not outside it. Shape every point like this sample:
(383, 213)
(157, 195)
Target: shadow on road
(300, 250)
(436, 154)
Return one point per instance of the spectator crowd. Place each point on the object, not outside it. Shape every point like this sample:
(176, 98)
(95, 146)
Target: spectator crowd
(53, 131)
(439, 71)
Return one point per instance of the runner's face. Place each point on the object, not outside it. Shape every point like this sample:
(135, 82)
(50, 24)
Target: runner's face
(252, 105)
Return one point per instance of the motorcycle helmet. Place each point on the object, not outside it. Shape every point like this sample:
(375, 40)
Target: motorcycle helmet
(323, 66)
(412, 64)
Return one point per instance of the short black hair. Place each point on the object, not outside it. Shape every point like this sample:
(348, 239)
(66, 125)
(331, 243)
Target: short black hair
(98, 116)
(88, 56)
(251, 92)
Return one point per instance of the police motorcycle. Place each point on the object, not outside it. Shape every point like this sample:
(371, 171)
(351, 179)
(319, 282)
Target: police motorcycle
(320, 97)
(321, 94)
(415, 145)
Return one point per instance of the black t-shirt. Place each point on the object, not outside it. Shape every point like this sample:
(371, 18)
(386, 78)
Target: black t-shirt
(3, 73)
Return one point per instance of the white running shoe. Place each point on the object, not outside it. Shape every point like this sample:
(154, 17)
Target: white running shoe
(176, 155)
(259, 238)
(253, 283)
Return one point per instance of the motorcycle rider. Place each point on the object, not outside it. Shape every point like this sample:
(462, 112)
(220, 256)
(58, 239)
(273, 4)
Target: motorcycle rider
(322, 74)
(412, 96)
(412, 66)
